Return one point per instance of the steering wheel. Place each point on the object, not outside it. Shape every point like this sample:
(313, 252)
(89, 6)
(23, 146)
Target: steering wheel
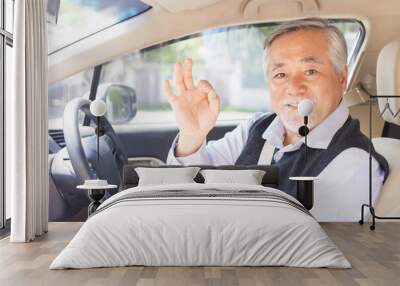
(83, 152)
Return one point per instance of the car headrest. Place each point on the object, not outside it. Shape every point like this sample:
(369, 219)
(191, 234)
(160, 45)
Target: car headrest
(388, 81)
(388, 203)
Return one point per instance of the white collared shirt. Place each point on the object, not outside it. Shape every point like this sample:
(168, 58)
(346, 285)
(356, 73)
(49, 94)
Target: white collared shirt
(342, 186)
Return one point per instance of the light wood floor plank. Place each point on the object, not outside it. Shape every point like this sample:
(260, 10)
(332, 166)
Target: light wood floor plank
(375, 257)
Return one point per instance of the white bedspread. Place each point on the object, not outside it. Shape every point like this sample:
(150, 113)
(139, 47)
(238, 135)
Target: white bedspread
(200, 231)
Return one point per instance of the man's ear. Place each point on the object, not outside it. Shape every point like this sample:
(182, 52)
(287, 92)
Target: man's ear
(343, 78)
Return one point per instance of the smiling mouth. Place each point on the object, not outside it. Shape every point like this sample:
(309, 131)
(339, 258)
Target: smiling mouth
(291, 105)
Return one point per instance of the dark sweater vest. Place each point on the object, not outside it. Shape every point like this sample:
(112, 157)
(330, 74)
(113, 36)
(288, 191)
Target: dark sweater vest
(293, 163)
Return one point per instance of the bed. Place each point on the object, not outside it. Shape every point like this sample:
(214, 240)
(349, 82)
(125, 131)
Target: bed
(201, 224)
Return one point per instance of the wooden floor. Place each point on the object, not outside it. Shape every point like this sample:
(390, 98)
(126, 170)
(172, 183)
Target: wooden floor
(374, 255)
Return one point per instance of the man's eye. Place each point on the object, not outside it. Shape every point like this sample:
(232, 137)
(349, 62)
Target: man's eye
(311, 72)
(280, 75)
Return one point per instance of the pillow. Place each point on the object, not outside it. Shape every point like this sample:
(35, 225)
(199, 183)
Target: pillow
(248, 177)
(162, 176)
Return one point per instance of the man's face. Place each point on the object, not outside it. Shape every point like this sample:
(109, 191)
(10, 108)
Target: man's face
(299, 67)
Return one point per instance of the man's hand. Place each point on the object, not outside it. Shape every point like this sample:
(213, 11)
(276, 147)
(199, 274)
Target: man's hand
(196, 108)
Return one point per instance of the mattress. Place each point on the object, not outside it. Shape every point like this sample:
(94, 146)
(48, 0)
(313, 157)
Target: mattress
(201, 225)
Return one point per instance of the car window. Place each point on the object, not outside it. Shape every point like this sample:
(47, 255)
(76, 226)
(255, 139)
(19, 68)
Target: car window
(74, 20)
(60, 93)
(230, 58)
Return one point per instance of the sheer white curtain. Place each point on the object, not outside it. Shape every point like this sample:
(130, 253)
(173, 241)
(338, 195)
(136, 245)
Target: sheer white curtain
(26, 119)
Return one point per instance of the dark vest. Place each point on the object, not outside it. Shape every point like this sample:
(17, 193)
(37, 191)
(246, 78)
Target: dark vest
(293, 163)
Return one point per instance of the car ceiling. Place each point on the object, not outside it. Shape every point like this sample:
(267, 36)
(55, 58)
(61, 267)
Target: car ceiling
(170, 19)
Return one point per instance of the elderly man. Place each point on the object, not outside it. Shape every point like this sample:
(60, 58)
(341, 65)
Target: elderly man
(303, 59)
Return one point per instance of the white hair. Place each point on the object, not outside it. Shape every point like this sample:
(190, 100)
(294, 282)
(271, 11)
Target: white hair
(336, 41)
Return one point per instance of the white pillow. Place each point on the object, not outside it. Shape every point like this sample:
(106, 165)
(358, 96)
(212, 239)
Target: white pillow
(248, 177)
(163, 176)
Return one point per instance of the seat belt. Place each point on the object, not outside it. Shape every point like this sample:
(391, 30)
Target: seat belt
(266, 154)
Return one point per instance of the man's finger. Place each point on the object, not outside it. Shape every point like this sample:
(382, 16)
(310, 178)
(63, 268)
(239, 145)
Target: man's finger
(214, 102)
(187, 74)
(179, 78)
(205, 86)
(168, 91)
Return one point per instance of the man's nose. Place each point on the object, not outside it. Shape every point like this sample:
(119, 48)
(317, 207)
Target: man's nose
(297, 85)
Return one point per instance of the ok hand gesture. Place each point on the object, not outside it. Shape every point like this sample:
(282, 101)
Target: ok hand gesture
(196, 108)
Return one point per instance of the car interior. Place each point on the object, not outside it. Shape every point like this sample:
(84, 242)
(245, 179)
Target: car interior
(147, 142)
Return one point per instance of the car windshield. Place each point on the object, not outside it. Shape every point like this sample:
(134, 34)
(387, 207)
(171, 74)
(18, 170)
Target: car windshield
(78, 19)
(230, 58)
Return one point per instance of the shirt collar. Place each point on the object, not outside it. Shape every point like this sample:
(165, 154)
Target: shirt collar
(319, 137)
